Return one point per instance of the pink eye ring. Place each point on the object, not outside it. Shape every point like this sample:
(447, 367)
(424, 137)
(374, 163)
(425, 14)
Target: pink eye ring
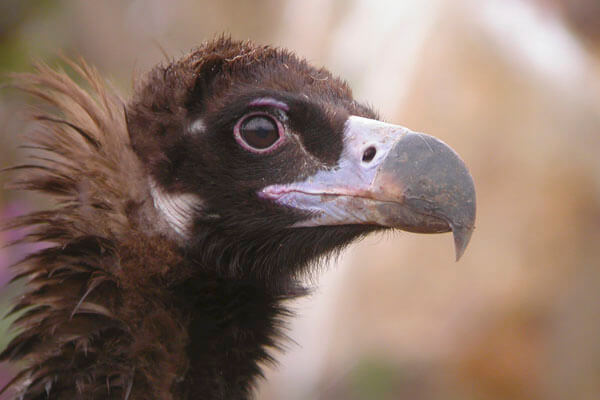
(259, 132)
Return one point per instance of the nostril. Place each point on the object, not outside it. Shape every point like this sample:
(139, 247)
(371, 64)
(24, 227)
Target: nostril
(369, 154)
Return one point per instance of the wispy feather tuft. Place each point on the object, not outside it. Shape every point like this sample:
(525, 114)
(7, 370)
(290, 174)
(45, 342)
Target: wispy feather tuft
(76, 317)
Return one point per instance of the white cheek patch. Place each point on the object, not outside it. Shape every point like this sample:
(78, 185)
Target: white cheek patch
(197, 127)
(178, 210)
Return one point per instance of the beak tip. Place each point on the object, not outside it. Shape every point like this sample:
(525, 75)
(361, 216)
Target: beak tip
(435, 184)
(462, 237)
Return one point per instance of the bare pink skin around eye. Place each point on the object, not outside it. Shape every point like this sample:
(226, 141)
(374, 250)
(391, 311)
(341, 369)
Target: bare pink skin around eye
(238, 136)
(269, 102)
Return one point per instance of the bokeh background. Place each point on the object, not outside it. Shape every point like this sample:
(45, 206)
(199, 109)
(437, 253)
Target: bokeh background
(513, 85)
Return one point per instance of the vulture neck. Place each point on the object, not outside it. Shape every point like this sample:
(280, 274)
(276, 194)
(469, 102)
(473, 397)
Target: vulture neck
(232, 326)
(234, 319)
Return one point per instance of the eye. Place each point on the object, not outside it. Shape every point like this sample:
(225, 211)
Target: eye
(259, 132)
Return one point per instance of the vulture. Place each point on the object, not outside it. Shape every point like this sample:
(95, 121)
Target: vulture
(185, 218)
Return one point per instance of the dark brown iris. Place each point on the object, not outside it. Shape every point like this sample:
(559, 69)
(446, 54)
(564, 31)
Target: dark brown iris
(260, 132)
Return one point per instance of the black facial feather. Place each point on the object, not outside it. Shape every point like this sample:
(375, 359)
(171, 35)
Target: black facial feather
(120, 305)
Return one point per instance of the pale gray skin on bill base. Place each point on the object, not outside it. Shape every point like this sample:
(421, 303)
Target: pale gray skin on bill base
(390, 176)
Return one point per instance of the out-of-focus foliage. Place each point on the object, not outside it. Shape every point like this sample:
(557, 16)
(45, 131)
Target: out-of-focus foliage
(513, 85)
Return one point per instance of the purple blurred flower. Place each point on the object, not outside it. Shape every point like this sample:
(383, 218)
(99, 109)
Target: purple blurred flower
(10, 255)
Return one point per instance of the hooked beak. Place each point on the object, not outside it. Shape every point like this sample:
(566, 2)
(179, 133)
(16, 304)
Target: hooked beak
(390, 176)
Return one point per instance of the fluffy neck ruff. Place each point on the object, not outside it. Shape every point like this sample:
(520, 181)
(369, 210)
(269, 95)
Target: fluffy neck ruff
(114, 308)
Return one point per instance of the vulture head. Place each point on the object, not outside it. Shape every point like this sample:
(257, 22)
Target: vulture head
(186, 217)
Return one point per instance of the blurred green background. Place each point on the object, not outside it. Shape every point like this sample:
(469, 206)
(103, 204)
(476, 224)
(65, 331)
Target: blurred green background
(513, 85)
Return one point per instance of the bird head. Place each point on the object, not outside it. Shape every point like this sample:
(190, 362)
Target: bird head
(253, 154)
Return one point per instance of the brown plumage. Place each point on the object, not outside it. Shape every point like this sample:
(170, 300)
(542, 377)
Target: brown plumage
(75, 312)
(168, 266)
